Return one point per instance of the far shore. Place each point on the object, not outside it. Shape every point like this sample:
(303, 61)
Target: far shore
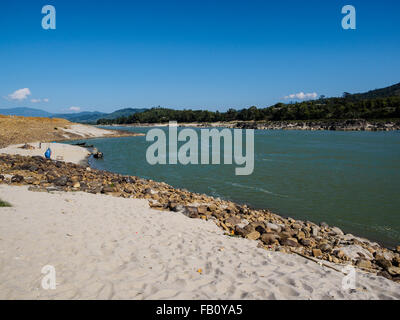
(310, 125)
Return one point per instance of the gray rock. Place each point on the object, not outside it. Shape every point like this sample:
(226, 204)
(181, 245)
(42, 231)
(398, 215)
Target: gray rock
(315, 231)
(61, 181)
(243, 223)
(273, 227)
(337, 231)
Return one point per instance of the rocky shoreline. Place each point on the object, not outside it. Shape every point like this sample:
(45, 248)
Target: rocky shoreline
(273, 232)
(311, 125)
(331, 125)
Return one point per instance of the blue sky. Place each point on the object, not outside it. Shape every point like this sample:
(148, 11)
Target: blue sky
(105, 55)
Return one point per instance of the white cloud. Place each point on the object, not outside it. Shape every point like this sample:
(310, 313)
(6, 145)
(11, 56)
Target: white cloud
(45, 100)
(302, 96)
(20, 94)
(74, 109)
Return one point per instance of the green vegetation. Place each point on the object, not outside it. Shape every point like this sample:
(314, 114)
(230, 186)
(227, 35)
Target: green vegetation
(4, 204)
(377, 104)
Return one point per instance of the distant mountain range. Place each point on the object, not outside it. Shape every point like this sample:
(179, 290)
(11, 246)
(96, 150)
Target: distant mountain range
(82, 117)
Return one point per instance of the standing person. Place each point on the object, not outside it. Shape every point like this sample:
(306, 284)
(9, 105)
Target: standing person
(47, 154)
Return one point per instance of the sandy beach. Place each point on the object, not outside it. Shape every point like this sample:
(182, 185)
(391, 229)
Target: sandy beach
(103, 247)
(59, 151)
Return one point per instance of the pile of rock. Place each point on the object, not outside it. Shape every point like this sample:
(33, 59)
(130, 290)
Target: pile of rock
(272, 231)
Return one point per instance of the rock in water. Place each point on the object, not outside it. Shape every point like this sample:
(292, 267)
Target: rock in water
(98, 155)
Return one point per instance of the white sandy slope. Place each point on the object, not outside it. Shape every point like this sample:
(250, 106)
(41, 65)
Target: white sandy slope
(104, 247)
(60, 151)
(87, 131)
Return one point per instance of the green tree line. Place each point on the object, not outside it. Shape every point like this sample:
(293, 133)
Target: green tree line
(347, 107)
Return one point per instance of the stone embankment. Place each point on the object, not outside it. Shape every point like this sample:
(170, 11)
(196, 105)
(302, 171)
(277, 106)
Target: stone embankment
(312, 125)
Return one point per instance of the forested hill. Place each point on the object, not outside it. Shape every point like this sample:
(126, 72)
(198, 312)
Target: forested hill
(392, 91)
(377, 104)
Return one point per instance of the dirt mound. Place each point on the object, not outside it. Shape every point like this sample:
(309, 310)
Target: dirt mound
(14, 130)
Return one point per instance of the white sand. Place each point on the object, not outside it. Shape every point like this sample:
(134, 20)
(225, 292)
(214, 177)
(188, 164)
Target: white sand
(87, 131)
(104, 247)
(60, 151)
